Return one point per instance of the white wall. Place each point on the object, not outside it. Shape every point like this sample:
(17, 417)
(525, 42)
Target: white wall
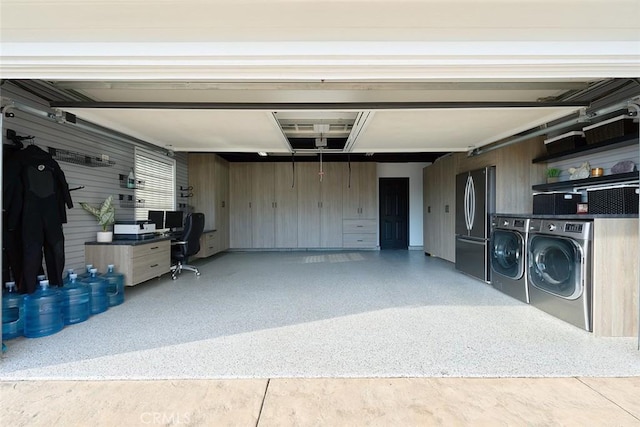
(413, 171)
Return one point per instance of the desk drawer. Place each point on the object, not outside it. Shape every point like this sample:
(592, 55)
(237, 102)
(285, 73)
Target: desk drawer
(149, 266)
(359, 226)
(150, 249)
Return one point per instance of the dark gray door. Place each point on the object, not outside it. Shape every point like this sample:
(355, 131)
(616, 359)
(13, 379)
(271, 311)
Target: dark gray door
(394, 213)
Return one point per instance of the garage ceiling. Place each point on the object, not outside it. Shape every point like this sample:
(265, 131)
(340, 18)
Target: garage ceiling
(251, 75)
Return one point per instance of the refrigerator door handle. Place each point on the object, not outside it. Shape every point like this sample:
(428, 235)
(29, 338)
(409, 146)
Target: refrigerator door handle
(467, 201)
(472, 196)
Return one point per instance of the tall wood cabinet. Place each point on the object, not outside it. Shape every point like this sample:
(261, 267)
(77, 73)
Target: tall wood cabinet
(359, 195)
(439, 208)
(240, 189)
(209, 179)
(286, 206)
(264, 206)
(319, 205)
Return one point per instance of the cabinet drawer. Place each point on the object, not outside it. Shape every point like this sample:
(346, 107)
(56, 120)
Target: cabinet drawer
(150, 249)
(208, 245)
(149, 266)
(359, 226)
(359, 240)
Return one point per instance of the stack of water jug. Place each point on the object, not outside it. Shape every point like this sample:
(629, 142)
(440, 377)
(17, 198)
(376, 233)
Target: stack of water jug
(49, 309)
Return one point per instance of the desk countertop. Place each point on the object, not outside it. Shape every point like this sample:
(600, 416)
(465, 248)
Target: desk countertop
(131, 242)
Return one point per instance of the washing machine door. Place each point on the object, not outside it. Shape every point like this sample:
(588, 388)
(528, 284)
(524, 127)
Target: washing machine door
(555, 265)
(507, 253)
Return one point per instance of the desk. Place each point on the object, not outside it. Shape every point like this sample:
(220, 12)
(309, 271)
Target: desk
(138, 260)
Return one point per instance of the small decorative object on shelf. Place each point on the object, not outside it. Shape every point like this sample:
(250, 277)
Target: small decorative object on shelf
(79, 158)
(553, 175)
(105, 215)
(624, 166)
(580, 173)
(595, 172)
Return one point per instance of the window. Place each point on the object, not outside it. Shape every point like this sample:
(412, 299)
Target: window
(159, 175)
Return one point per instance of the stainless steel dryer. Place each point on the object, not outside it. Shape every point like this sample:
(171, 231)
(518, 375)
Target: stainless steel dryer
(508, 256)
(559, 269)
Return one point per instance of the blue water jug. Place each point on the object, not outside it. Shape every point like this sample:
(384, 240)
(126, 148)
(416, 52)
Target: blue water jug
(76, 301)
(87, 272)
(67, 278)
(115, 291)
(43, 312)
(12, 312)
(98, 286)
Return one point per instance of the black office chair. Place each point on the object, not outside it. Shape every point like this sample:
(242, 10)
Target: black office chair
(188, 245)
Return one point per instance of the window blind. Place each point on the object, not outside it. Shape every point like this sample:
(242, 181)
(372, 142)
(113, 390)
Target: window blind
(159, 176)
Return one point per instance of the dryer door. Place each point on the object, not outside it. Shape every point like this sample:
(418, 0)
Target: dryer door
(555, 265)
(507, 253)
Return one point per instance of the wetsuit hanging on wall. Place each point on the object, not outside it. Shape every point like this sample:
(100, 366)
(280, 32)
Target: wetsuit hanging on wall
(45, 194)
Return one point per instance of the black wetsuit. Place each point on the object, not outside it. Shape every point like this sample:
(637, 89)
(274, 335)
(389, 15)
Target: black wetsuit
(45, 193)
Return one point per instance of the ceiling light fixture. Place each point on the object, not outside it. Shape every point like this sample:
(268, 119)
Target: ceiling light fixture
(262, 154)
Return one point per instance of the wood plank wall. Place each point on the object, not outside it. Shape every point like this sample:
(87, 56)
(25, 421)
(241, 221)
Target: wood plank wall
(98, 182)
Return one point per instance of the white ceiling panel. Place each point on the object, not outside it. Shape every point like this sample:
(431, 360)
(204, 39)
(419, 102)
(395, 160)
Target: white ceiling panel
(447, 130)
(194, 130)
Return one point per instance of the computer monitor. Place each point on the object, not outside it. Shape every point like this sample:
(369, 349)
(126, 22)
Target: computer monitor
(157, 218)
(173, 220)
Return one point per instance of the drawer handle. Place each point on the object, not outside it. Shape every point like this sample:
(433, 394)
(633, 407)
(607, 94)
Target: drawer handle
(360, 240)
(359, 226)
(154, 265)
(154, 247)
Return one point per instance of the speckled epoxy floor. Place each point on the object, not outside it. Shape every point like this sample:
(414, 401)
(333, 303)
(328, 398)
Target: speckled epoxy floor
(319, 314)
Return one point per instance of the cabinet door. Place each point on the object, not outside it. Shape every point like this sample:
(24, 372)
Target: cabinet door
(286, 207)
(263, 205)
(431, 232)
(331, 206)
(240, 185)
(202, 169)
(350, 191)
(222, 204)
(447, 202)
(308, 183)
(367, 175)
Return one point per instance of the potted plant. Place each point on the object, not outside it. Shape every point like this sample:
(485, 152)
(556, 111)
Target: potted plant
(105, 215)
(553, 175)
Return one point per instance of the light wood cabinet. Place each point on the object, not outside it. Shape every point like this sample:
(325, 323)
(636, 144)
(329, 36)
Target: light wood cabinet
(202, 179)
(615, 277)
(262, 205)
(308, 184)
(319, 206)
(286, 207)
(222, 204)
(359, 191)
(209, 244)
(439, 208)
(240, 221)
(209, 179)
(137, 261)
(359, 233)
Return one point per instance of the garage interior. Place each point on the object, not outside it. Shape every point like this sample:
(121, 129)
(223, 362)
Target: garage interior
(296, 82)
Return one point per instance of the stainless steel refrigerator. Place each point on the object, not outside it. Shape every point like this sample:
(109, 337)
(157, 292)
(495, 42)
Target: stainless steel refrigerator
(475, 202)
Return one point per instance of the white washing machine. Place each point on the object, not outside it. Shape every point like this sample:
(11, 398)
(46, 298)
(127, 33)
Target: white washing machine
(559, 269)
(508, 256)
